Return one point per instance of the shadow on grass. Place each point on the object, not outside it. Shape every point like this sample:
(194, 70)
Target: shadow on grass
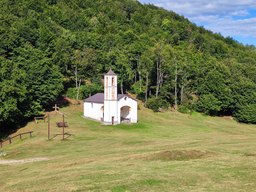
(130, 126)
(69, 135)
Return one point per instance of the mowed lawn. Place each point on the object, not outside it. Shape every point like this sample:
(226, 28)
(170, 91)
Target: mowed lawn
(162, 152)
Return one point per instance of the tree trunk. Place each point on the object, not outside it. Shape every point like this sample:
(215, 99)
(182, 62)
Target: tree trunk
(138, 66)
(76, 75)
(176, 78)
(184, 84)
(146, 94)
(161, 79)
(157, 78)
(181, 92)
(78, 90)
(122, 91)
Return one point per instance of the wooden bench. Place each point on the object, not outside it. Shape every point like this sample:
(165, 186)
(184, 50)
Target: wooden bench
(42, 117)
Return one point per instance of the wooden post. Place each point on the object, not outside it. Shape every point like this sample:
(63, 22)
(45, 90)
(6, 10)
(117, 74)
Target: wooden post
(20, 136)
(63, 126)
(35, 120)
(30, 134)
(48, 127)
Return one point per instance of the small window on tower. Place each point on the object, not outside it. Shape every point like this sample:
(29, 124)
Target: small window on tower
(106, 93)
(113, 81)
(106, 81)
(113, 93)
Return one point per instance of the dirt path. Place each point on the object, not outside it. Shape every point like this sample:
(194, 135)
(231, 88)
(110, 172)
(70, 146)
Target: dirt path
(13, 161)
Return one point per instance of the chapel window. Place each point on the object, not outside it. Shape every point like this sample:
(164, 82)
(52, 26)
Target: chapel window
(106, 81)
(113, 93)
(106, 94)
(113, 81)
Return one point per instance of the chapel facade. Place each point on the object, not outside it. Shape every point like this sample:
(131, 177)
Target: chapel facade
(109, 107)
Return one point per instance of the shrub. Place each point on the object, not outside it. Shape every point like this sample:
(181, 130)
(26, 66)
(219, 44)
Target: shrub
(72, 93)
(141, 96)
(153, 104)
(135, 88)
(246, 114)
(92, 89)
(183, 109)
(209, 104)
(164, 104)
(156, 103)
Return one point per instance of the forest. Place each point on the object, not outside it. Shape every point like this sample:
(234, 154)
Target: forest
(50, 48)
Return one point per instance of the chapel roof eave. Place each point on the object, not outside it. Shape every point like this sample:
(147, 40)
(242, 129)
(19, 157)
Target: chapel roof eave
(94, 102)
(97, 98)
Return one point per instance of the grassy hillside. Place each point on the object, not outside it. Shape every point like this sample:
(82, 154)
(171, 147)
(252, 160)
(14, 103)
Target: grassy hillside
(163, 152)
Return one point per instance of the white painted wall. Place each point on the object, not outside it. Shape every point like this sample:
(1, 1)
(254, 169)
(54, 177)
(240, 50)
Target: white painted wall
(110, 110)
(134, 109)
(93, 111)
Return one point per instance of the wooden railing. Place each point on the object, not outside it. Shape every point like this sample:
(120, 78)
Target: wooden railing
(10, 138)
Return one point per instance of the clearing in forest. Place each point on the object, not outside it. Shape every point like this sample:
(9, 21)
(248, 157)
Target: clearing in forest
(162, 152)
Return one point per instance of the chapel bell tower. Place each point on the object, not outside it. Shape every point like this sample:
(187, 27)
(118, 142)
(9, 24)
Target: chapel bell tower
(110, 98)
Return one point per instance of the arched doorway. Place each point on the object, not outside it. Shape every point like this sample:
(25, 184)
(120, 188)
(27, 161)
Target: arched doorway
(126, 114)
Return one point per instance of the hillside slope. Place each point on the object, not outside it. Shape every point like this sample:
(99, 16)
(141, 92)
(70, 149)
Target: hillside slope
(48, 46)
(163, 152)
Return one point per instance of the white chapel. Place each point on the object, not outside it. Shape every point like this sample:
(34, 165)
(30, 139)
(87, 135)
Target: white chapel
(110, 107)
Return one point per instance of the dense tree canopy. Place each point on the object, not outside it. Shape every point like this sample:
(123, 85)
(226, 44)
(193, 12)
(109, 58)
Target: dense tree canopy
(155, 52)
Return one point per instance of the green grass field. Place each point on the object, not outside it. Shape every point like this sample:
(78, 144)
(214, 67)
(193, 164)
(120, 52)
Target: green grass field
(163, 152)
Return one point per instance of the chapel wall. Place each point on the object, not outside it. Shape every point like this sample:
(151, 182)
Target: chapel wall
(93, 110)
(131, 103)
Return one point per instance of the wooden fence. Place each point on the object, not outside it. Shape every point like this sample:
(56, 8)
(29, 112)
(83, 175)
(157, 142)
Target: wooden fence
(11, 138)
